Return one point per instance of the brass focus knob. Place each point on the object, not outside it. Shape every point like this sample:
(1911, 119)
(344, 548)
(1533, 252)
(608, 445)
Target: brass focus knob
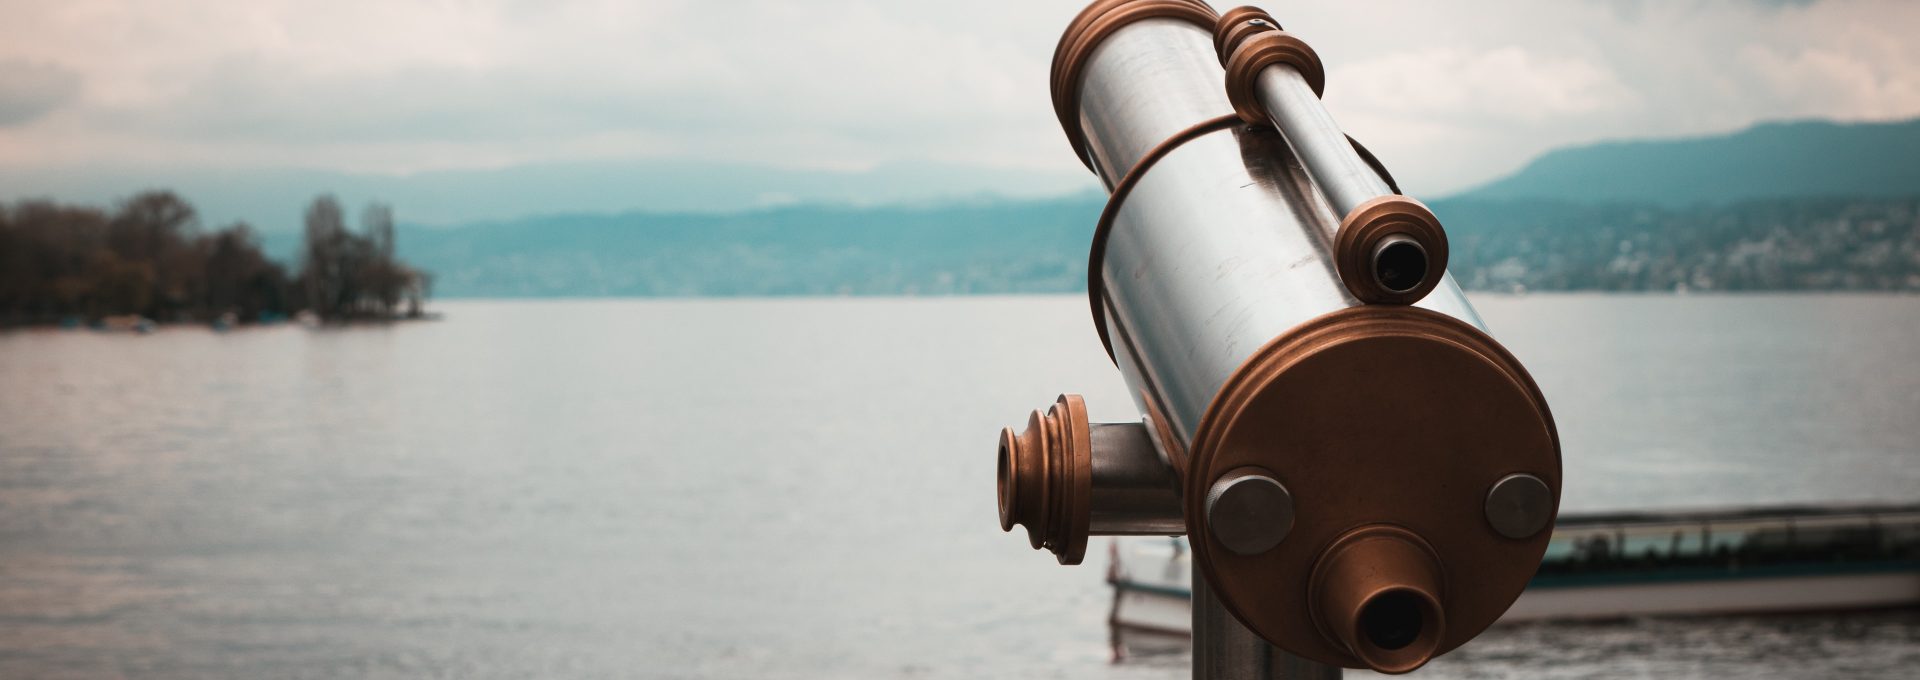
(1046, 479)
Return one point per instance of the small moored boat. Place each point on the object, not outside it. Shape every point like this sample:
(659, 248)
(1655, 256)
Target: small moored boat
(1597, 566)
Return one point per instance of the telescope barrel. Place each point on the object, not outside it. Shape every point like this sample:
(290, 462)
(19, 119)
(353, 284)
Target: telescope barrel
(1141, 86)
(1345, 179)
(1389, 248)
(1229, 221)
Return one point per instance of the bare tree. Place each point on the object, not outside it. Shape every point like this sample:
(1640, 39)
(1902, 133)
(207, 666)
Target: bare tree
(326, 235)
(354, 275)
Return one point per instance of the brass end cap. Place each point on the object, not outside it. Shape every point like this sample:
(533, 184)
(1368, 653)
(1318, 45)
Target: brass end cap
(1390, 250)
(1376, 594)
(1258, 51)
(1395, 419)
(1236, 25)
(1045, 478)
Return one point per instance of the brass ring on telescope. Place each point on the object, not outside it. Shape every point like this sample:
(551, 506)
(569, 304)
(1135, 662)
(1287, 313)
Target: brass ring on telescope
(1263, 49)
(1236, 25)
(1373, 161)
(1373, 222)
(1045, 479)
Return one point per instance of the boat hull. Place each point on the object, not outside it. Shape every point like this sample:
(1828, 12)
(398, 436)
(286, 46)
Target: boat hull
(1720, 596)
(1158, 620)
(1700, 563)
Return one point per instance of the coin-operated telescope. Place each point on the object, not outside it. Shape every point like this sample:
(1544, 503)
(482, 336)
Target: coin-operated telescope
(1367, 479)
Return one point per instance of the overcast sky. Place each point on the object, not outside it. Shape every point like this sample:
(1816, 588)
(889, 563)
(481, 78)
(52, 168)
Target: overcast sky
(1450, 94)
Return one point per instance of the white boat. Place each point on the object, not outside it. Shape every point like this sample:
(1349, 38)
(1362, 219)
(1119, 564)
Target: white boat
(1603, 566)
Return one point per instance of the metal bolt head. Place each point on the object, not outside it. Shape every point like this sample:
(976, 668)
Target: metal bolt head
(1259, 23)
(1519, 506)
(1249, 512)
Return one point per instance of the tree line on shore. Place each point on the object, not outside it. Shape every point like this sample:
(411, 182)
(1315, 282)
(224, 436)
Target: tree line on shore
(149, 256)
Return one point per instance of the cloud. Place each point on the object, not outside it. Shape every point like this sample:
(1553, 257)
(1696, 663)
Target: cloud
(1449, 94)
(29, 90)
(1820, 80)
(448, 85)
(1452, 95)
(1497, 85)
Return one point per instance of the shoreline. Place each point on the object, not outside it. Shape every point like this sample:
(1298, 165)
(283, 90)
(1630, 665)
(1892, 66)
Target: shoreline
(128, 323)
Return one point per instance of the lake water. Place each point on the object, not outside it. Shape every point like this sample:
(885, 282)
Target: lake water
(796, 488)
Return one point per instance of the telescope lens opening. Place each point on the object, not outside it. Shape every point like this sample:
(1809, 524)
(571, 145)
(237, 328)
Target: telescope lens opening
(1400, 264)
(1392, 621)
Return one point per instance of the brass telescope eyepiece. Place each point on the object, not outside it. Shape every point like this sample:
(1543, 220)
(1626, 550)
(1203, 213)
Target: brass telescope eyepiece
(1046, 476)
(1377, 592)
(1065, 479)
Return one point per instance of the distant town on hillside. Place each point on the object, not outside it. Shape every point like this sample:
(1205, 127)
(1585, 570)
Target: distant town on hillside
(1791, 206)
(1779, 207)
(1803, 244)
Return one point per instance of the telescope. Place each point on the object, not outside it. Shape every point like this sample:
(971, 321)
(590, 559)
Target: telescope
(1366, 477)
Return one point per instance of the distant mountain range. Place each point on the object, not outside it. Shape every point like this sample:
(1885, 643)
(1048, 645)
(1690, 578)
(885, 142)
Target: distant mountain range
(1784, 206)
(1773, 160)
(272, 200)
(981, 246)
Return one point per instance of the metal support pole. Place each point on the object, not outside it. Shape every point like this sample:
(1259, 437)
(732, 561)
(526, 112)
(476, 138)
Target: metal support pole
(1134, 492)
(1223, 649)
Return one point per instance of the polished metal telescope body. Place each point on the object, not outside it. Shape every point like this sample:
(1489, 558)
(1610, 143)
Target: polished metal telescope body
(1366, 477)
(1225, 244)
